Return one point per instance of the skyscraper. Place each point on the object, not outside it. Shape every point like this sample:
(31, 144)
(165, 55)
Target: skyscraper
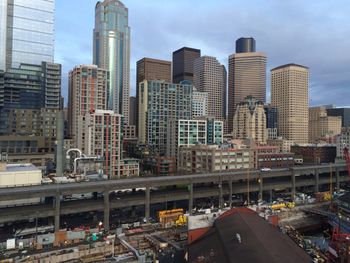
(246, 76)
(224, 92)
(323, 128)
(87, 92)
(151, 69)
(183, 60)
(26, 32)
(208, 76)
(289, 94)
(112, 52)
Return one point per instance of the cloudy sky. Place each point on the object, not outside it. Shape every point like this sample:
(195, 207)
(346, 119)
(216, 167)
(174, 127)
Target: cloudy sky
(314, 33)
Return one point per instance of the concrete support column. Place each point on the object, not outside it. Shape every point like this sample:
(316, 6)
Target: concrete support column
(337, 180)
(190, 200)
(106, 209)
(317, 181)
(260, 187)
(221, 203)
(271, 196)
(231, 193)
(293, 185)
(57, 212)
(148, 204)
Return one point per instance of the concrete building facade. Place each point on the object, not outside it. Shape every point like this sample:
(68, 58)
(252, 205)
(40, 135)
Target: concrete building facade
(213, 158)
(31, 86)
(323, 128)
(208, 76)
(315, 154)
(87, 91)
(27, 122)
(283, 144)
(111, 51)
(290, 95)
(199, 103)
(104, 138)
(183, 60)
(246, 77)
(161, 106)
(342, 141)
(249, 121)
(199, 131)
(343, 112)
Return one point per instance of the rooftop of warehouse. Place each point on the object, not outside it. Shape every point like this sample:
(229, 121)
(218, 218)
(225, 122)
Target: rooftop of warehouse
(241, 235)
(19, 168)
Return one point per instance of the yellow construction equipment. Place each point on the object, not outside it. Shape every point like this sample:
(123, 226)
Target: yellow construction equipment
(283, 205)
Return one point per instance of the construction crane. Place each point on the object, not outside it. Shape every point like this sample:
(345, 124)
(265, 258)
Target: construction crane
(338, 250)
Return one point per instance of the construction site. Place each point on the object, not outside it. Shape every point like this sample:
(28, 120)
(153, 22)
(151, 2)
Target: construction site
(297, 225)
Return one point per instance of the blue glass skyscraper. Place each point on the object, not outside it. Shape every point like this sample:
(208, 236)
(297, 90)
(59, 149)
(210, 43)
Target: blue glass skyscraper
(112, 52)
(26, 32)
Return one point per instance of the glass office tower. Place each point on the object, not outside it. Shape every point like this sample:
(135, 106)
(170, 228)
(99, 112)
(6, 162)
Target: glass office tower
(26, 32)
(112, 52)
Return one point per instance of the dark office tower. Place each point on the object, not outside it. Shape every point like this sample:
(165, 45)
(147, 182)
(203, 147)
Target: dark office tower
(245, 44)
(271, 121)
(150, 69)
(183, 63)
(132, 111)
(343, 112)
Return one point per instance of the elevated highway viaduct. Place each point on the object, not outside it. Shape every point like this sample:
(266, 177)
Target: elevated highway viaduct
(225, 184)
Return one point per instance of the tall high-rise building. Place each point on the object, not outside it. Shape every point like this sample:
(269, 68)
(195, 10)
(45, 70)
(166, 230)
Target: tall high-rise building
(224, 92)
(208, 76)
(161, 106)
(151, 69)
(87, 92)
(104, 138)
(323, 128)
(26, 32)
(290, 95)
(249, 121)
(111, 51)
(183, 60)
(31, 86)
(246, 76)
(132, 111)
(245, 44)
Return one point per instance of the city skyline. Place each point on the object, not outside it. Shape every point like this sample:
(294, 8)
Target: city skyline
(302, 43)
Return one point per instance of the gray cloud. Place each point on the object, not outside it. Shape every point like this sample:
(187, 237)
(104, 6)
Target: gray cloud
(312, 33)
